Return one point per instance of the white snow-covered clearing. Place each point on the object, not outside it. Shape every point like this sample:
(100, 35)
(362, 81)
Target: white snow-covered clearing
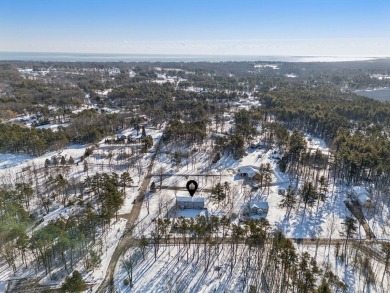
(182, 270)
(10, 160)
(350, 271)
(53, 127)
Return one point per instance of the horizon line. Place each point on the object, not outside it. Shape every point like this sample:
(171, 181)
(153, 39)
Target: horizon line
(73, 57)
(211, 54)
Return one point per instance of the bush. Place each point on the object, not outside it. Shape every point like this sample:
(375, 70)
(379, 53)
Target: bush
(54, 277)
(88, 152)
(74, 283)
(71, 161)
(153, 187)
(216, 158)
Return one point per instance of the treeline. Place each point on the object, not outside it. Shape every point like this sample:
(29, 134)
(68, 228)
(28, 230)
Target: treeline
(357, 157)
(263, 258)
(152, 96)
(186, 131)
(86, 127)
(356, 127)
(22, 94)
(13, 211)
(17, 139)
(245, 130)
(324, 110)
(362, 156)
(90, 126)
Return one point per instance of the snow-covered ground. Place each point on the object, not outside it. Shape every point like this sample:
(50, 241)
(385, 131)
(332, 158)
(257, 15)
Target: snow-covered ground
(104, 92)
(320, 221)
(323, 219)
(163, 78)
(351, 273)
(184, 269)
(11, 160)
(261, 66)
(291, 75)
(106, 158)
(12, 164)
(112, 237)
(172, 271)
(53, 127)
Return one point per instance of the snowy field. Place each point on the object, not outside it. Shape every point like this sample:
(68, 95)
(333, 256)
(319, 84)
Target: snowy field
(10, 160)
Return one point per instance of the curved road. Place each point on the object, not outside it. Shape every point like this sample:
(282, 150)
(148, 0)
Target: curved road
(127, 241)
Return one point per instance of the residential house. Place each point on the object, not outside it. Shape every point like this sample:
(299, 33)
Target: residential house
(187, 202)
(257, 207)
(248, 172)
(361, 195)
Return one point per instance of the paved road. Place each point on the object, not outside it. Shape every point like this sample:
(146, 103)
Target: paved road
(301, 241)
(363, 244)
(191, 175)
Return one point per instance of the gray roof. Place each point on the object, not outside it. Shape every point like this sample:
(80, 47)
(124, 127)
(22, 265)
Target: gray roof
(182, 199)
(363, 198)
(358, 190)
(248, 170)
(258, 204)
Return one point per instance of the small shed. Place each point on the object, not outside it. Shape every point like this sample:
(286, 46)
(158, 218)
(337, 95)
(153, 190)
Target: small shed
(187, 202)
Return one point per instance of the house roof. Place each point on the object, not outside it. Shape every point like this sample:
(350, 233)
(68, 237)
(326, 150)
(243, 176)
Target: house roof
(358, 190)
(185, 199)
(258, 204)
(248, 170)
(363, 198)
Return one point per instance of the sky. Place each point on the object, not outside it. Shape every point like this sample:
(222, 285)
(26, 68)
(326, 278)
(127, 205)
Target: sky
(198, 27)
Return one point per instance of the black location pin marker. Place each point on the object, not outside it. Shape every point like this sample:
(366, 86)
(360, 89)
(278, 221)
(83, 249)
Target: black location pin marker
(192, 186)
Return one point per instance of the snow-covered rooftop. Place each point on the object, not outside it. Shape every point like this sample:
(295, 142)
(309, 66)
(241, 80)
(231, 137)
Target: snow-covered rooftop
(363, 198)
(358, 190)
(182, 199)
(258, 204)
(248, 170)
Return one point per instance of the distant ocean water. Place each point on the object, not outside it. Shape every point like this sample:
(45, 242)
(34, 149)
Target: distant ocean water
(108, 57)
